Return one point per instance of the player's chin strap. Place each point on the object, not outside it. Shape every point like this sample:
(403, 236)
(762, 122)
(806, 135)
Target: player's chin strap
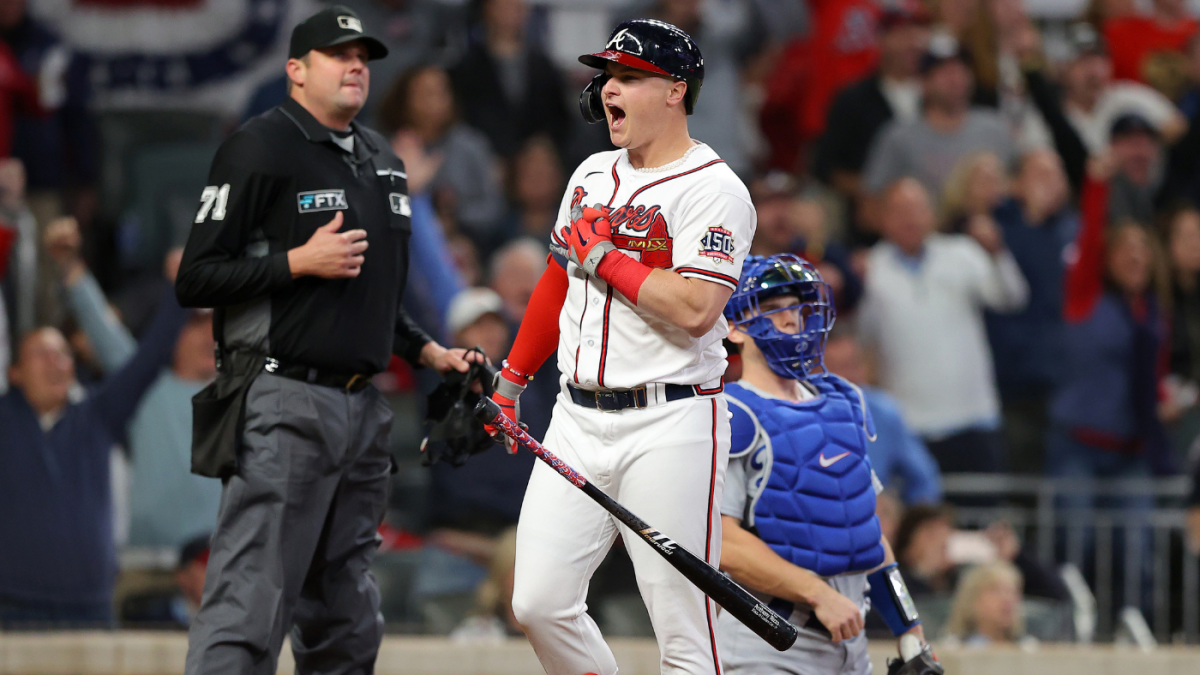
(889, 596)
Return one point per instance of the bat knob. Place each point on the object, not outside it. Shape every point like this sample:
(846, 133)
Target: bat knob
(486, 410)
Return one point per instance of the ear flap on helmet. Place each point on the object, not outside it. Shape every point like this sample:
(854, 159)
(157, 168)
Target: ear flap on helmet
(591, 104)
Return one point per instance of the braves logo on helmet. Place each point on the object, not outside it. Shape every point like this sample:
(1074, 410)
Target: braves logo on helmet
(624, 41)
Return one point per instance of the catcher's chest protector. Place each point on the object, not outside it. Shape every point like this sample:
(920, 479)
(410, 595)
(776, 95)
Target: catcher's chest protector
(816, 508)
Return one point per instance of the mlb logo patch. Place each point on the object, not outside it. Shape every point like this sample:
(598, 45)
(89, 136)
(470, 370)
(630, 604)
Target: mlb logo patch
(717, 244)
(321, 200)
(400, 204)
(350, 23)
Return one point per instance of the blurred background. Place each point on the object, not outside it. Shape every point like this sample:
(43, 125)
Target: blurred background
(1037, 430)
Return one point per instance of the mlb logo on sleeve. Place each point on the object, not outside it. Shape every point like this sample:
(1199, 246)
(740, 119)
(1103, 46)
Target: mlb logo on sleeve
(400, 204)
(717, 244)
(321, 200)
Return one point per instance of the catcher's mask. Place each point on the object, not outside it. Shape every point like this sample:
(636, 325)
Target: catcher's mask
(454, 432)
(792, 355)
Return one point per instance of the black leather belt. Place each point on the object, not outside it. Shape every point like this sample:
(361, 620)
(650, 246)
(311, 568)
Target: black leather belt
(351, 383)
(610, 400)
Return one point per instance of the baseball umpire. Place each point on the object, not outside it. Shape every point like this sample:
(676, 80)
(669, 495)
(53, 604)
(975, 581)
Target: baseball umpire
(305, 316)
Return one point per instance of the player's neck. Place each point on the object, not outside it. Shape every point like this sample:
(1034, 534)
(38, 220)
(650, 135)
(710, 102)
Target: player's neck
(766, 381)
(663, 149)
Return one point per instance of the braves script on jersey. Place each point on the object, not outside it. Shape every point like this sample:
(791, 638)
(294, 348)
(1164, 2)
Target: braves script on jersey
(693, 217)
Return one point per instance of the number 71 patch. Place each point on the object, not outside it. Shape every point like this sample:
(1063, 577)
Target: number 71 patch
(717, 244)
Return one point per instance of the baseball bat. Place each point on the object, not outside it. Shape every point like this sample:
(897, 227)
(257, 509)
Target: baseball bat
(776, 630)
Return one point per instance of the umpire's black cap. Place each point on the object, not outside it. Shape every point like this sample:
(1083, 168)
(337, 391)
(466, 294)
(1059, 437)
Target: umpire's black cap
(331, 26)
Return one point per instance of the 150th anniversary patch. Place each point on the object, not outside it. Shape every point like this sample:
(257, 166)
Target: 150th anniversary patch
(717, 244)
(321, 200)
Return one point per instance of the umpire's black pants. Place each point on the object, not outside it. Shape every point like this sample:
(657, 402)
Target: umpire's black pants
(296, 534)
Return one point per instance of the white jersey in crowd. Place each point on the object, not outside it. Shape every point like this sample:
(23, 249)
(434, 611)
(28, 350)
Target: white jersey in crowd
(692, 216)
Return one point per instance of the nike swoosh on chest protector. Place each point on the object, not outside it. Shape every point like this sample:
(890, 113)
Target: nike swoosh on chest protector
(826, 463)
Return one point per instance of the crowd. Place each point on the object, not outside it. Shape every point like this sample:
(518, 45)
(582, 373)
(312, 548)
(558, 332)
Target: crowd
(1008, 210)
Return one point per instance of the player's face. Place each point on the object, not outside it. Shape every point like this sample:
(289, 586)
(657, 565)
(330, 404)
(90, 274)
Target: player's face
(337, 78)
(636, 104)
(789, 318)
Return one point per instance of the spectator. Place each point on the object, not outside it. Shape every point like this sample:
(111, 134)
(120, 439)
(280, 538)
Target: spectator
(1104, 417)
(516, 269)
(414, 32)
(860, 110)
(466, 259)
(922, 549)
(949, 129)
(492, 619)
(899, 458)
(57, 140)
(58, 563)
(840, 47)
(508, 88)
(458, 168)
(537, 185)
(788, 223)
(169, 505)
(987, 606)
(922, 314)
(1141, 44)
(730, 33)
(177, 607)
(1081, 122)
(19, 280)
(1182, 236)
(976, 186)
(1028, 347)
(476, 319)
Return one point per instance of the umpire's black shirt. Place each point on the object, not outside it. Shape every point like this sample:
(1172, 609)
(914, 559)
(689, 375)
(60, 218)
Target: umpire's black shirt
(272, 184)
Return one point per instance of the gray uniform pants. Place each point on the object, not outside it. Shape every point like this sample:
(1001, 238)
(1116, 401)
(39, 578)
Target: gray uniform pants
(744, 653)
(295, 536)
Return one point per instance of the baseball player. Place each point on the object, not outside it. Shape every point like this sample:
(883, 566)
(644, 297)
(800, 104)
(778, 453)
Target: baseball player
(632, 301)
(799, 508)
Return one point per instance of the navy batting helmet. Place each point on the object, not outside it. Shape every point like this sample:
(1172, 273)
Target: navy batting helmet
(650, 45)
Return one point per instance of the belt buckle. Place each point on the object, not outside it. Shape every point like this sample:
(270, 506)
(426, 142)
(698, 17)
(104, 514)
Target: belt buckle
(357, 377)
(607, 395)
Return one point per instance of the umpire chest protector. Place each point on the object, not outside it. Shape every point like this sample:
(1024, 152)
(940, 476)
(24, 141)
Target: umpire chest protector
(815, 503)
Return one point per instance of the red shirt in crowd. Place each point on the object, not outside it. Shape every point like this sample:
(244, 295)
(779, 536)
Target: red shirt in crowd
(1132, 39)
(840, 49)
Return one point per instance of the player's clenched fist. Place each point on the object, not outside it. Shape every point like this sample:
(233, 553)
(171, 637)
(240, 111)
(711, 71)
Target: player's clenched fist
(590, 238)
(838, 614)
(508, 386)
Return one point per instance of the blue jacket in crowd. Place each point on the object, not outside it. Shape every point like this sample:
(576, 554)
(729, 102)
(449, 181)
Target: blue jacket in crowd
(56, 522)
(898, 453)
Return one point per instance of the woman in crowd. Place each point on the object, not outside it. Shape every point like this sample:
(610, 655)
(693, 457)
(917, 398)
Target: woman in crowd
(1181, 233)
(444, 157)
(976, 186)
(987, 606)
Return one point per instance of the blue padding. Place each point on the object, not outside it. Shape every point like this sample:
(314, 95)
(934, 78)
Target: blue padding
(884, 600)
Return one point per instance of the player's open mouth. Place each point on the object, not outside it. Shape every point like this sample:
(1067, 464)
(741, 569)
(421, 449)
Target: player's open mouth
(616, 116)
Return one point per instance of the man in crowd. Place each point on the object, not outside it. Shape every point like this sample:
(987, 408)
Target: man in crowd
(949, 129)
(922, 314)
(58, 564)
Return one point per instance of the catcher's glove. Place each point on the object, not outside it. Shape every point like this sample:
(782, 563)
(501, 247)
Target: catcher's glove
(454, 432)
(924, 663)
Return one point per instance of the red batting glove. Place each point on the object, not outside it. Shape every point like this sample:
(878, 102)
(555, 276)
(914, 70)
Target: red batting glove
(508, 387)
(590, 238)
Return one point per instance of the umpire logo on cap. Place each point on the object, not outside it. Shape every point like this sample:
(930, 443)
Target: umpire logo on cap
(350, 23)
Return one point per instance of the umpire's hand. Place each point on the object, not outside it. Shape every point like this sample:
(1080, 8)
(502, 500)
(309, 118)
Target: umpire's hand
(444, 360)
(330, 254)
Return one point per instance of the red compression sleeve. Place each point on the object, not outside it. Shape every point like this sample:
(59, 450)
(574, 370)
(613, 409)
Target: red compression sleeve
(1085, 277)
(538, 336)
(623, 273)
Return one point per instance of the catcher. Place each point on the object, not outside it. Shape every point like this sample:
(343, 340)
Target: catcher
(798, 512)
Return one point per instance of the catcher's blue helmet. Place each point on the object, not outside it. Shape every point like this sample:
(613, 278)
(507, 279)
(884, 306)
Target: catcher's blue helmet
(791, 355)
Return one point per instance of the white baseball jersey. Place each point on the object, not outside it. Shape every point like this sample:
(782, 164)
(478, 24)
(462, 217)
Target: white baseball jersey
(692, 216)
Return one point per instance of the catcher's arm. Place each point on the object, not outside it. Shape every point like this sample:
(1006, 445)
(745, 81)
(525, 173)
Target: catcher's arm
(754, 565)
